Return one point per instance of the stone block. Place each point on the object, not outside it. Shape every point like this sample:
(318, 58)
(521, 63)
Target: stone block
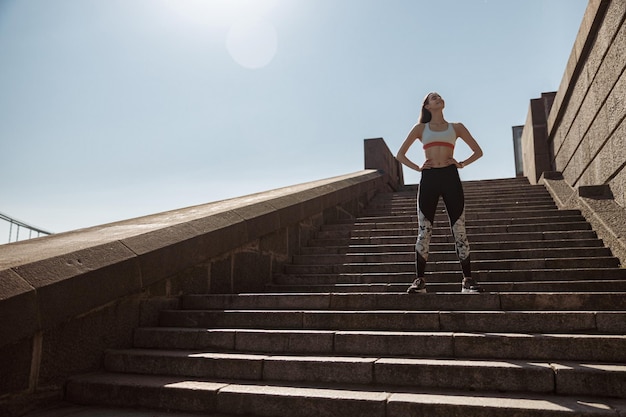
(252, 271)
(164, 392)
(150, 308)
(18, 308)
(611, 322)
(15, 361)
(596, 192)
(78, 345)
(463, 374)
(186, 364)
(510, 321)
(276, 244)
(282, 401)
(72, 284)
(193, 280)
(260, 219)
(285, 341)
(604, 380)
(422, 344)
(221, 275)
(167, 251)
(319, 369)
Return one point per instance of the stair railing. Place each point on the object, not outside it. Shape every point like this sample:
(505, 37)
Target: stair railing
(15, 226)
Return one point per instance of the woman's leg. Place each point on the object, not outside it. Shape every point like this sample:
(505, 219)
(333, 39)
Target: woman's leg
(427, 200)
(454, 199)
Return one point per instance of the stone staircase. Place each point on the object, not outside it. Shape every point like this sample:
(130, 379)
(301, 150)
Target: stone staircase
(336, 334)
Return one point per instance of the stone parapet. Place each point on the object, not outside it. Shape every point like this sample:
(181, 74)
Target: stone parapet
(378, 156)
(588, 119)
(66, 298)
(598, 207)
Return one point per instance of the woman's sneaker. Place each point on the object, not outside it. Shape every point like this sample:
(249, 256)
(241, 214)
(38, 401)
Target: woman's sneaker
(469, 285)
(418, 286)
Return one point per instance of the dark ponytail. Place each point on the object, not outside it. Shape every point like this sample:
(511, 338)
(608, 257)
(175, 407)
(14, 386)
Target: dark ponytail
(426, 115)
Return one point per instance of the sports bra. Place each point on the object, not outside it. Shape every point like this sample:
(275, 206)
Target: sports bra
(444, 138)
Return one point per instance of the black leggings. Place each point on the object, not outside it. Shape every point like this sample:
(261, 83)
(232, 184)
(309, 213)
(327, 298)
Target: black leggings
(435, 183)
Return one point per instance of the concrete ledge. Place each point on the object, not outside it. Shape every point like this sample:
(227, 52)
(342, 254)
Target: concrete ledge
(595, 203)
(596, 192)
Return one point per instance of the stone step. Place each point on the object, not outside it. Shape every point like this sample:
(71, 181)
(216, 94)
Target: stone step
(444, 276)
(471, 202)
(411, 230)
(506, 301)
(449, 255)
(528, 346)
(505, 277)
(442, 247)
(484, 193)
(443, 222)
(468, 216)
(275, 399)
(409, 239)
(404, 209)
(603, 322)
(563, 378)
(478, 265)
(598, 284)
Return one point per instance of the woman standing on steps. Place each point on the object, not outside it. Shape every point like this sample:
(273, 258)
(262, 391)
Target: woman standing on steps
(440, 177)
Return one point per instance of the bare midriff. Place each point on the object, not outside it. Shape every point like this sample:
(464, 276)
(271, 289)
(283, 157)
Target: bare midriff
(439, 156)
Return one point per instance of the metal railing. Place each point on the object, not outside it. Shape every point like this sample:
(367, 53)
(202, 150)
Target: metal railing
(15, 226)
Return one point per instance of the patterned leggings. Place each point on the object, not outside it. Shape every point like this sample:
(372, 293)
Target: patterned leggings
(435, 183)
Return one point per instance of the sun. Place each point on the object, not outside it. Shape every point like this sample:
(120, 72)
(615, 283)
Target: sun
(252, 42)
(251, 38)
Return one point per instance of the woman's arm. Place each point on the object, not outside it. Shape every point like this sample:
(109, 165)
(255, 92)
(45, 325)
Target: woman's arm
(471, 142)
(413, 135)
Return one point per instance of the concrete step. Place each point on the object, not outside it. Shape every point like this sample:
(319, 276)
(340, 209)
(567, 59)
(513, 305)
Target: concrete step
(449, 255)
(411, 230)
(527, 346)
(440, 247)
(484, 276)
(564, 378)
(507, 301)
(482, 194)
(478, 265)
(598, 284)
(604, 322)
(275, 399)
(410, 209)
(409, 239)
(443, 221)
(468, 216)
(501, 233)
(471, 205)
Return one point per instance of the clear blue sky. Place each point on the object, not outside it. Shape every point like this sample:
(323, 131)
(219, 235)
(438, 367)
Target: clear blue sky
(113, 109)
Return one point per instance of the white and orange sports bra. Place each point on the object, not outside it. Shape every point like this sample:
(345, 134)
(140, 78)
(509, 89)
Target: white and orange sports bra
(444, 138)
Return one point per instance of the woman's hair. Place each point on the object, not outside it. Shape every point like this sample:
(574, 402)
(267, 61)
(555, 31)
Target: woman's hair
(426, 115)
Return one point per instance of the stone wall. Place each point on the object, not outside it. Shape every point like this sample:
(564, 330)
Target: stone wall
(536, 153)
(378, 156)
(587, 131)
(66, 298)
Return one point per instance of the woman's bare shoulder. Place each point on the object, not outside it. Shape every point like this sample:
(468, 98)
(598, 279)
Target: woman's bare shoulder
(459, 127)
(418, 129)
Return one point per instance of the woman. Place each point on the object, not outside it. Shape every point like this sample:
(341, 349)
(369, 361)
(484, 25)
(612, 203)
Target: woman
(440, 177)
